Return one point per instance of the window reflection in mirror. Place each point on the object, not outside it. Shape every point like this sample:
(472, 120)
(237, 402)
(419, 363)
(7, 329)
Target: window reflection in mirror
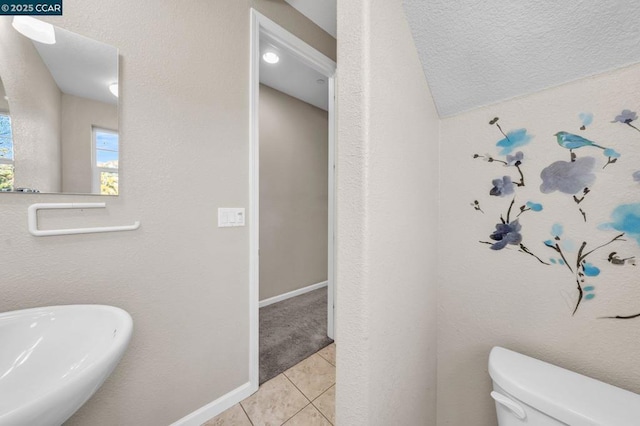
(105, 176)
(58, 114)
(6, 153)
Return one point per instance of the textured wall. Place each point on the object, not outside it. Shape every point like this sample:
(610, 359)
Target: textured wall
(4, 105)
(35, 111)
(184, 124)
(507, 297)
(293, 193)
(387, 221)
(79, 116)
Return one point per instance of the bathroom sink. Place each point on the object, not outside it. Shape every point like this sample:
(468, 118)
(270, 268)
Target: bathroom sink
(53, 359)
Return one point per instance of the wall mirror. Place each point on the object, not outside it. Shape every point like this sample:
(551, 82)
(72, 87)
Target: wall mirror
(58, 110)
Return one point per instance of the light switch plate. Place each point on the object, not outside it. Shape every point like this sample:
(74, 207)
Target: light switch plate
(230, 217)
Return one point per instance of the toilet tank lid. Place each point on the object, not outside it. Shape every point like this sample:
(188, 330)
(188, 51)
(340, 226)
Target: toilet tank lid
(562, 394)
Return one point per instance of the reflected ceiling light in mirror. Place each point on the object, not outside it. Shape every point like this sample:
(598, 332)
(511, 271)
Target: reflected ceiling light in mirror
(34, 29)
(113, 88)
(271, 58)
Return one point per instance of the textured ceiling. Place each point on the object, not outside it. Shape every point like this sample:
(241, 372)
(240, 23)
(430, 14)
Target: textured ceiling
(81, 66)
(292, 77)
(478, 52)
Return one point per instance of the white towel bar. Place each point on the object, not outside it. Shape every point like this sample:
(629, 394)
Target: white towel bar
(32, 217)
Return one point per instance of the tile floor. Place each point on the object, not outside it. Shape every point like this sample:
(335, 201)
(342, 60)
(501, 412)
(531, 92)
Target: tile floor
(304, 395)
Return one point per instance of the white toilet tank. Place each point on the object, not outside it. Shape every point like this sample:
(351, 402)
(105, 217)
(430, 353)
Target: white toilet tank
(531, 392)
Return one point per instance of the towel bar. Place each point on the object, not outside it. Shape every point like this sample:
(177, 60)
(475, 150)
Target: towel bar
(32, 217)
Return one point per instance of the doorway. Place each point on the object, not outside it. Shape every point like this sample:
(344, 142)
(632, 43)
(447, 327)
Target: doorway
(265, 30)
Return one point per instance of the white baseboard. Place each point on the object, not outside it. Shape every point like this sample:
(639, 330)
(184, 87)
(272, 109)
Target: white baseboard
(216, 407)
(294, 293)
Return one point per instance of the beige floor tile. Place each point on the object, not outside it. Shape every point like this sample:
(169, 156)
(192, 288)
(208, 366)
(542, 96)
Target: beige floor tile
(275, 402)
(329, 353)
(310, 416)
(326, 403)
(312, 376)
(234, 416)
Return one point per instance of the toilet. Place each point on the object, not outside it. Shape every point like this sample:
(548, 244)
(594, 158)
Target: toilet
(531, 392)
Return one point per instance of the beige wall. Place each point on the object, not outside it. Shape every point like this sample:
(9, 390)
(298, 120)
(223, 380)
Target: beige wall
(299, 25)
(35, 111)
(387, 221)
(507, 298)
(79, 116)
(293, 193)
(184, 82)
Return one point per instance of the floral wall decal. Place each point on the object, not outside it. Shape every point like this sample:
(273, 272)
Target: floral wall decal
(615, 259)
(512, 139)
(575, 176)
(627, 117)
(626, 218)
(568, 177)
(586, 118)
(578, 265)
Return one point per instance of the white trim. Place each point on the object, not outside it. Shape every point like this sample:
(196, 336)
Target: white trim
(254, 198)
(261, 25)
(331, 209)
(294, 293)
(216, 407)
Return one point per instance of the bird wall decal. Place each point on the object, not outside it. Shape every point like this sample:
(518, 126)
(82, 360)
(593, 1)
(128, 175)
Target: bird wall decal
(570, 141)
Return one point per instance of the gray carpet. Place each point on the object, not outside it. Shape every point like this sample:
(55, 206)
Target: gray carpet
(291, 331)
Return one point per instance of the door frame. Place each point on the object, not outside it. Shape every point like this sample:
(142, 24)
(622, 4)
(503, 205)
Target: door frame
(261, 25)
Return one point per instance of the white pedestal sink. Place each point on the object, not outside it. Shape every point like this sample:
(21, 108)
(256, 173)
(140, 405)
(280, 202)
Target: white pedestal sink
(53, 359)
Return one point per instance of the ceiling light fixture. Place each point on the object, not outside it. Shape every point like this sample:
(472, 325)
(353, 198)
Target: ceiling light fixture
(34, 29)
(271, 58)
(113, 88)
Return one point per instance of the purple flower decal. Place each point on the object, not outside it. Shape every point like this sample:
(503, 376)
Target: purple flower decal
(506, 233)
(569, 177)
(516, 158)
(502, 186)
(626, 117)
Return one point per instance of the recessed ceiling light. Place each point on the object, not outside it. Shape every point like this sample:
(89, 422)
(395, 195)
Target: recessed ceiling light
(35, 29)
(113, 88)
(271, 58)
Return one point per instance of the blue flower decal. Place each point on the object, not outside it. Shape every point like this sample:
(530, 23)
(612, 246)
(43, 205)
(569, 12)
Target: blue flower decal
(512, 140)
(557, 230)
(626, 218)
(591, 270)
(611, 153)
(586, 118)
(502, 186)
(536, 207)
(636, 176)
(506, 233)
